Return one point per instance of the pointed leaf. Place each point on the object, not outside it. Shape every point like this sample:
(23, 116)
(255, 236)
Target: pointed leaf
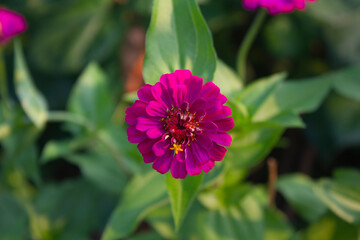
(298, 190)
(342, 199)
(90, 97)
(142, 194)
(32, 101)
(178, 38)
(182, 193)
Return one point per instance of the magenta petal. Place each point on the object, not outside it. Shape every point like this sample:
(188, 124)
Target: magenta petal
(136, 110)
(208, 166)
(144, 124)
(180, 156)
(149, 157)
(163, 163)
(134, 135)
(193, 167)
(193, 88)
(155, 109)
(161, 147)
(145, 93)
(225, 111)
(11, 24)
(179, 93)
(209, 91)
(225, 124)
(208, 126)
(200, 153)
(154, 133)
(221, 138)
(217, 152)
(146, 146)
(178, 169)
(162, 95)
(197, 105)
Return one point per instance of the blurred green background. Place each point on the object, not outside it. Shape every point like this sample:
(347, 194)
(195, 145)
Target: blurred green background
(75, 187)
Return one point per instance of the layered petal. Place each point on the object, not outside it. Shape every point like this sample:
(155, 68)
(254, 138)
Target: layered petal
(180, 124)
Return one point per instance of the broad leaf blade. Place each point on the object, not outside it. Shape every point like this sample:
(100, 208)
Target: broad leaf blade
(347, 83)
(298, 190)
(141, 195)
(32, 101)
(182, 193)
(297, 96)
(226, 79)
(178, 38)
(342, 199)
(90, 98)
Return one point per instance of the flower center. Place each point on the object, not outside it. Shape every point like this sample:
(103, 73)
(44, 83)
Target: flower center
(182, 126)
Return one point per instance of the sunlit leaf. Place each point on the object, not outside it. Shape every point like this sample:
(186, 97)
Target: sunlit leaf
(342, 199)
(298, 191)
(226, 79)
(32, 101)
(178, 38)
(182, 193)
(330, 227)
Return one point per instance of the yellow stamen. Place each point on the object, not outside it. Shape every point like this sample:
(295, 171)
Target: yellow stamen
(176, 148)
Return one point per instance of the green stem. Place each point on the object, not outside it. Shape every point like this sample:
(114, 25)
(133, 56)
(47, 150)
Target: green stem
(60, 116)
(3, 85)
(247, 43)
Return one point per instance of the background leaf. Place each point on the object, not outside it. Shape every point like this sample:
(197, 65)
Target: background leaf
(178, 38)
(182, 193)
(32, 101)
(298, 190)
(342, 199)
(141, 195)
(90, 97)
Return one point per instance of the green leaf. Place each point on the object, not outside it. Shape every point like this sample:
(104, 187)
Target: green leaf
(74, 208)
(90, 98)
(277, 226)
(92, 26)
(342, 199)
(244, 220)
(13, 219)
(300, 96)
(102, 169)
(348, 176)
(331, 227)
(60, 148)
(178, 38)
(286, 119)
(182, 193)
(226, 79)
(32, 101)
(251, 145)
(298, 190)
(254, 96)
(346, 82)
(142, 194)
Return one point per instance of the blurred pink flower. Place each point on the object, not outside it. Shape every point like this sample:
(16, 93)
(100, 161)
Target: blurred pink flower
(180, 124)
(11, 24)
(276, 6)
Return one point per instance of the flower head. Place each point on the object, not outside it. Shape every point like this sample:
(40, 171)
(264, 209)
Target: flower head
(180, 124)
(11, 24)
(276, 6)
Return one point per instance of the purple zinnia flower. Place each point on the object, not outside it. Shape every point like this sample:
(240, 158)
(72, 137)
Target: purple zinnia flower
(11, 24)
(180, 124)
(276, 6)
